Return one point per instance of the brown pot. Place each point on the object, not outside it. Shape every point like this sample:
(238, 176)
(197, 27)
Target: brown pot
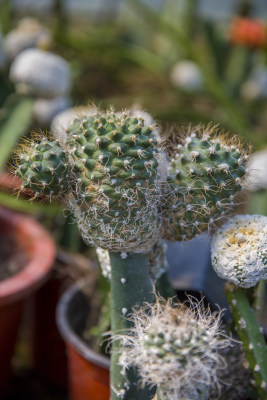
(39, 252)
(88, 371)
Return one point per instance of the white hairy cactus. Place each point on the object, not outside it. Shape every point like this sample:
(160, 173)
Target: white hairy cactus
(257, 171)
(174, 347)
(239, 250)
(47, 109)
(255, 88)
(28, 34)
(187, 76)
(40, 73)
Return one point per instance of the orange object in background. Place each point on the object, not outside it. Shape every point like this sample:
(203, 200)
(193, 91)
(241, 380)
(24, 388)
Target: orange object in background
(248, 32)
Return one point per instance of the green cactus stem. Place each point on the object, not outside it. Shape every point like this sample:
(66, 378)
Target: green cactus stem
(253, 341)
(131, 286)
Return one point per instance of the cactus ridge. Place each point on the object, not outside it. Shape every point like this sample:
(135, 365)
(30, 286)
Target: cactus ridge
(205, 173)
(114, 164)
(42, 166)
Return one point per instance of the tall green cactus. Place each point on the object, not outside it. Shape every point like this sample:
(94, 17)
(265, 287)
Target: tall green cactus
(115, 174)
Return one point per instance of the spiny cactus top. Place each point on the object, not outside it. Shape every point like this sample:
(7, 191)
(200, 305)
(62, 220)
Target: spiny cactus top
(205, 173)
(42, 166)
(115, 162)
(239, 250)
(174, 347)
(40, 73)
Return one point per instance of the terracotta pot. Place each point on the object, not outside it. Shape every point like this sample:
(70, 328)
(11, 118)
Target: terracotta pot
(48, 346)
(39, 250)
(88, 371)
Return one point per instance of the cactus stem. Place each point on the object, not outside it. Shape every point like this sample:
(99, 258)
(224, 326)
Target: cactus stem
(130, 287)
(249, 332)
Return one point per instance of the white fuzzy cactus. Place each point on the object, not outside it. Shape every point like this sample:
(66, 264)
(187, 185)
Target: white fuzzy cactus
(257, 171)
(47, 109)
(28, 34)
(239, 250)
(40, 73)
(175, 347)
(187, 76)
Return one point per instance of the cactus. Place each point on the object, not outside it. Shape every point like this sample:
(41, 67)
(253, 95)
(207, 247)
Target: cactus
(175, 347)
(42, 166)
(239, 254)
(205, 173)
(239, 250)
(116, 188)
(114, 164)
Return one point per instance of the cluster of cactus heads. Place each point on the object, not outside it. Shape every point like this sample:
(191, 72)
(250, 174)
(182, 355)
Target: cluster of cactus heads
(126, 194)
(175, 347)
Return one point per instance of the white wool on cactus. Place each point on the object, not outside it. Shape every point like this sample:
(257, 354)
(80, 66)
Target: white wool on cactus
(257, 171)
(40, 73)
(187, 76)
(175, 347)
(239, 250)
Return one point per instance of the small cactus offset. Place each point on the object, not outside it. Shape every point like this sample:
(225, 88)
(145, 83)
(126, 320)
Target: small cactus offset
(116, 186)
(175, 347)
(42, 166)
(205, 173)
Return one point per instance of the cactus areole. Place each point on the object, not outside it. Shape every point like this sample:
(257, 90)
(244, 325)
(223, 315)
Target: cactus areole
(112, 174)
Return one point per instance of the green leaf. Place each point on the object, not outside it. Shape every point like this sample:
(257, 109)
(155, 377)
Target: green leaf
(13, 127)
(28, 206)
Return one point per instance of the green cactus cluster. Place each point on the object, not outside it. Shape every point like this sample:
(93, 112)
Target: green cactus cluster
(43, 167)
(204, 175)
(184, 345)
(111, 173)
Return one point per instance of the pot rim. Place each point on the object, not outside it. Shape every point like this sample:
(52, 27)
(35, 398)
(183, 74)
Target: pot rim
(68, 333)
(40, 249)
